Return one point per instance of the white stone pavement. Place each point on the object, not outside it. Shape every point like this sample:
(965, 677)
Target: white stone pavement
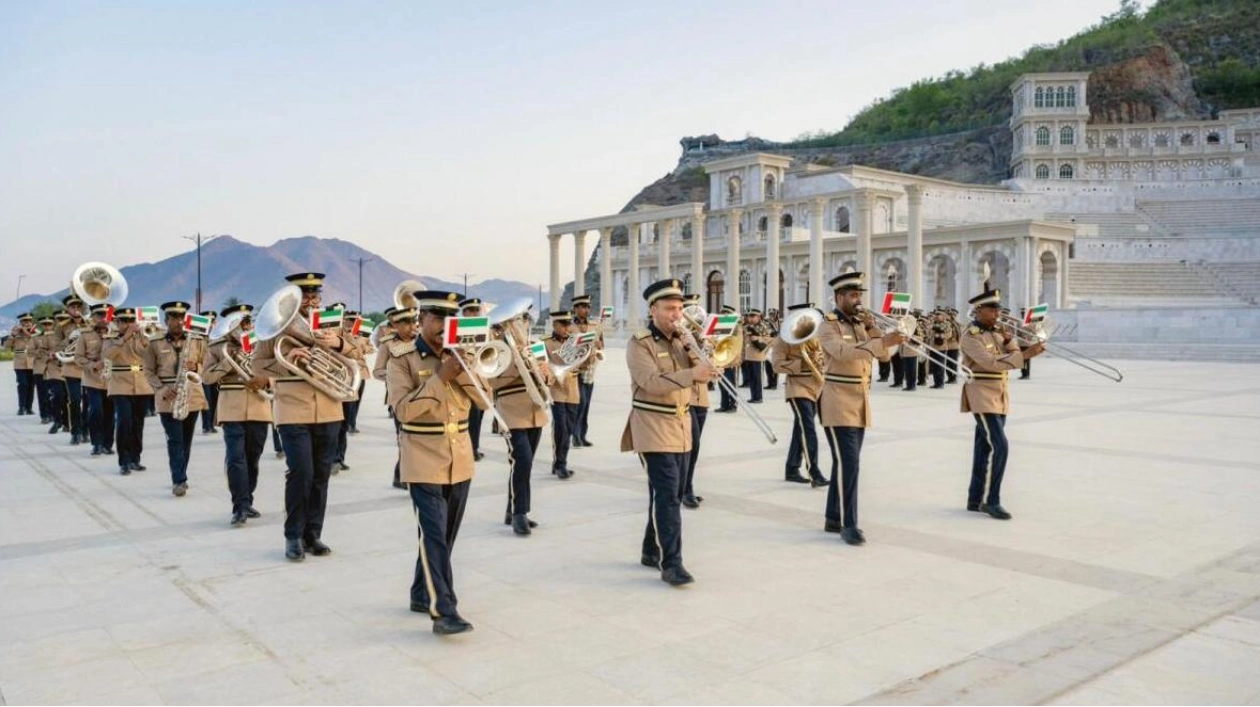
(1130, 574)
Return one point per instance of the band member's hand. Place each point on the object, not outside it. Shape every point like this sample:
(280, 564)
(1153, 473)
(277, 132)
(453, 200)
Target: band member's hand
(893, 338)
(300, 354)
(704, 374)
(1034, 350)
(324, 338)
(450, 369)
(168, 395)
(257, 382)
(98, 367)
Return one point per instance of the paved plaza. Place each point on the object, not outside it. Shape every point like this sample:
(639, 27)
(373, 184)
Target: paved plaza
(1130, 573)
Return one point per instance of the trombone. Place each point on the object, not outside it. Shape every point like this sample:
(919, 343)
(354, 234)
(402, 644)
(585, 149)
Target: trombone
(907, 324)
(491, 359)
(330, 372)
(227, 331)
(1039, 334)
(718, 354)
(801, 328)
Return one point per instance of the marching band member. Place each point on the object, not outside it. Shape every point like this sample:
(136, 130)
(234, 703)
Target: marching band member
(88, 354)
(403, 329)
(939, 332)
(757, 340)
(582, 323)
(308, 419)
(849, 345)
(772, 322)
(662, 376)
(349, 408)
(472, 307)
(72, 373)
(699, 414)
(431, 394)
(366, 349)
(989, 350)
(54, 377)
(165, 361)
(910, 357)
(129, 388)
(244, 412)
(802, 391)
(19, 341)
(564, 396)
(952, 344)
(37, 354)
(729, 402)
(525, 421)
(211, 392)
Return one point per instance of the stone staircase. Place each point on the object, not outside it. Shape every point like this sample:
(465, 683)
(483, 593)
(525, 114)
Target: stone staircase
(1155, 284)
(1113, 225)
(1240, 279)
(1212, 217)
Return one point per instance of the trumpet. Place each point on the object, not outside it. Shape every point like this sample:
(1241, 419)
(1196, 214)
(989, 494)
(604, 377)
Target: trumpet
(226, 331)
(801, 328)
(333, 374)
(907, 325)
(1038, 333)
(718, 354)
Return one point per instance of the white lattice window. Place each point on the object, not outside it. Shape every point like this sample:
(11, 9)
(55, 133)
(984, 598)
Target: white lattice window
(1043, 135)
(1039, 98)
(769, 187)
(1065, 171)
(1067, 136)
(1071, 96)
(745, 291)
(1043, 171)
(1060, 97)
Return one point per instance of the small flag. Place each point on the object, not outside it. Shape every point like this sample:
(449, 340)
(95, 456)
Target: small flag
(364, 328)
(354, 328)
(196, 324)
(109, 313)
(248, 340)
(148, 314)
(896, 300)
(538, 350)
(1036, 314)
(606, 312)
(588, 337)
(325, 319)
(466, 330)
(720, 324)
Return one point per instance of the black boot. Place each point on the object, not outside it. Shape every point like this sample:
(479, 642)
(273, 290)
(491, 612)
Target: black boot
(293, 550)
(316, 547)
(677, 576)
(507, 520)
(795, 477)
(520, 524)
(449, 625)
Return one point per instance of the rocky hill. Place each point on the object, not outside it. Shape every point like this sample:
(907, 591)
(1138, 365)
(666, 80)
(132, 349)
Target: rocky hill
(231, 268)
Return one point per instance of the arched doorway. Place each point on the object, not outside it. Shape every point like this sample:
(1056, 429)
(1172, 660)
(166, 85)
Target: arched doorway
(940, 282)
(999, 272)
(716, 290)
(1049, 275)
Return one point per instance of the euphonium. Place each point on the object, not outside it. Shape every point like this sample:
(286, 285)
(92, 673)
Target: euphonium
(330, 372)
(511, 317)
(226, 331)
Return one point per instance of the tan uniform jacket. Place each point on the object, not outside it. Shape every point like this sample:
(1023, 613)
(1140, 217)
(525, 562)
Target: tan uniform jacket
(126, 364)
(161, 363)
(848, 350)
(788, 360)
(71, 369)
(88, 356)
(356, 350)
(382, 357)
(759, 333)
(237, 402)
(954, 342)
(989, 358)
(52, 344)
(700, 395)
(297, 402)
(366, 351)
(433, 442)
(583, 326)
(566, 392)
(36, 354)
(512, 401)
(18, 344)
(661, 388)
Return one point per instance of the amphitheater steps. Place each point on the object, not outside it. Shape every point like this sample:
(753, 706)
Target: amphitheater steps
(1212, 217)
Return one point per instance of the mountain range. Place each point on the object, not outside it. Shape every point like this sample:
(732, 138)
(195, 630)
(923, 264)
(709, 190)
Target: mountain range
(250, 273)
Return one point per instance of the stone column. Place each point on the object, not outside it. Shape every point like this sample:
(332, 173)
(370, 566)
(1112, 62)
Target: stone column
(699, 283)
(606, 292)
(914, 250)
(1018, 277)
(773, 234)
(865, 226)
(1062, 284)
(664, 227)
(579, 263)
(963, 276)
(817, 269)
(732, 259)
(555, 270)
(634, 296)
(1034, 273)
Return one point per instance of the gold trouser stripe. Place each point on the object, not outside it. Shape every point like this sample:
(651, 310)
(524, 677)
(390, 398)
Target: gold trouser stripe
(170, 379)
(231, 386)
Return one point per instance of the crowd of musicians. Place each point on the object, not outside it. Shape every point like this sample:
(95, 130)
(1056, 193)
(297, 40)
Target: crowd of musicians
(98, 370)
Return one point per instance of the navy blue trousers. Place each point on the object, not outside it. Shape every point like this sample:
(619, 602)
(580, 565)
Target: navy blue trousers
(40, 390)
(439, 511)
(100, 418)
(179, 436)
(728, 401)
(842, 494)
(25, 389)
(74, 406)
(308, 451)
(245, 442)
(752, 376)
(563, 416)
(582, 426)
(988, 461)
(698, 417)
(522, 444)
(212, 399)
(910, 370)
(804, 447)
(475, 416)
(667, 474)
(59, 402)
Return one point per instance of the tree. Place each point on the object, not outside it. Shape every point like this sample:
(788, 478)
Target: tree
(45, 309)
(231, 302)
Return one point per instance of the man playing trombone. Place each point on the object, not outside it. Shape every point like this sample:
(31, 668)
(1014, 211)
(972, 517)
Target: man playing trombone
(801, 364)
(990, 349)
(849, 343)
(662, 375)
(565, 397)
(472, 307)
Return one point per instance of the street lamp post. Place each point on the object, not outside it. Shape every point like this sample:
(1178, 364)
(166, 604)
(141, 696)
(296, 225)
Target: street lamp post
(199, 239)
(361, 261)
(19, 289)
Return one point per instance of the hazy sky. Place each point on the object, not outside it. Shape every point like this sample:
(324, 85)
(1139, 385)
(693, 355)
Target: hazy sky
(444, 136)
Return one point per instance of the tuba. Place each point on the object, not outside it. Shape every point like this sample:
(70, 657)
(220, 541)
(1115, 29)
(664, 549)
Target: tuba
(404, 293)
(227, 331)
(330, 372)
(801, 328)
(99, 283)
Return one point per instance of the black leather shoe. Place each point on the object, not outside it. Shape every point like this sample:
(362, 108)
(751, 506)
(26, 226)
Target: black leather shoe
(251, 513)
(137, 466)
(238, 519)
(691, 501)
(587, 443)
(934, 387)
(973, 507)
(400, 485)
(520, 524)
(96, 450)
(995, 512)
(124, 470)
(795, 477)
(316, 547)
(507, 520)
(449, 625)
(107, 450)
(56, 427)
(852, 536)
(179, 489)
(755, 402)
(817, 481)
(676, 576)
(354, 430)
(833, 526)
(345, 466)
(74, 440)
(478, 456)
(293, 550)
(563, 473)
(649, 561)
(419, 608)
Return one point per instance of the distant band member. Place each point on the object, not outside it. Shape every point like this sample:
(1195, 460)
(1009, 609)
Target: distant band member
(849, 346)
(525, 421)
(89, 354)
(431, 395)
(308, 419)
(162, 362)
(757, 340)
(564, 396)
(802, 391)
(72, 373)
(730, 373)
(952, 344)
(211, 391)
(583, 323)
(471, 307)
(19, 341)
(37, 355)
(244, 412)
(54, 377)
(129, 388)
(699, 415)
(662, 376)
(356, 352)
(989, 351)
(402, 330)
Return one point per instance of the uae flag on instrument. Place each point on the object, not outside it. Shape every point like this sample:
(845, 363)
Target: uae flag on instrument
(196, 324)
(720, 325)
(606, 312)
(363, 327)
(148, 314)
(248, 340)
(899, 301)
(355, 326)
(1036, 314)
(588, 337)
(325, 319)
(538, 350)
(466, 330)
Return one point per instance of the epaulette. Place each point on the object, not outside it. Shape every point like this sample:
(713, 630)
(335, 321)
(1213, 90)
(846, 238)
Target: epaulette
(830, 316)
(973, 330)
(643, 334)
(387, 338)
(546, 338)
(401, 348)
